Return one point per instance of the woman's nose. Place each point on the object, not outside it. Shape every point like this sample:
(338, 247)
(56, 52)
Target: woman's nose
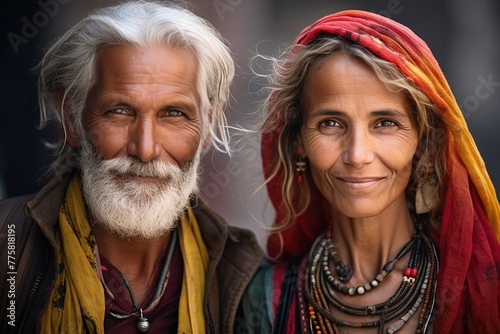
(358, 149)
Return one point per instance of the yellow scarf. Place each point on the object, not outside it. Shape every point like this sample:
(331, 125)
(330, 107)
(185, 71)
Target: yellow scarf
(77, 301)
(195, 255)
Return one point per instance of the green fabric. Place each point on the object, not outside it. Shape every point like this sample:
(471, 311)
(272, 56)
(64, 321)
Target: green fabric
(256, 306)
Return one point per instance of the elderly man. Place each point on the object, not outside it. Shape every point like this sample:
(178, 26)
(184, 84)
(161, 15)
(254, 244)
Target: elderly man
(118, 242)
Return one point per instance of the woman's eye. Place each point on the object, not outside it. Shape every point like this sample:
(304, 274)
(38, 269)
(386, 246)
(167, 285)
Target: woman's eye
(385, 123)
(328, 124)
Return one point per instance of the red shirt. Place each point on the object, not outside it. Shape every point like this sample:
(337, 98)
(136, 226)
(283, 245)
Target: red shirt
(162, 315)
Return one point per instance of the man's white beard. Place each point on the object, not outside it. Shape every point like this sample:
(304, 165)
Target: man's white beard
(129, 208)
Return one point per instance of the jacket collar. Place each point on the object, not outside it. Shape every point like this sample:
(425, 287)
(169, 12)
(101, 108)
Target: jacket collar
(44, 209)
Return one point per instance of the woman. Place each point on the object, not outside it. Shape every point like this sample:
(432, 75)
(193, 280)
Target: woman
(387, 220)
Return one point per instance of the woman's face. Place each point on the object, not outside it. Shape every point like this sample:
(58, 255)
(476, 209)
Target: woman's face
(358, 136)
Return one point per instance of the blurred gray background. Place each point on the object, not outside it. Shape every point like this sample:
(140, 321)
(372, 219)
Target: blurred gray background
(463, 35)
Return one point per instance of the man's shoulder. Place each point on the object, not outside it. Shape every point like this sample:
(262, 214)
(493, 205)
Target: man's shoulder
(44, 204)
(13, 207)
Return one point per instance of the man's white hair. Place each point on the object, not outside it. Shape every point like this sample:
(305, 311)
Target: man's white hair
(68, 69)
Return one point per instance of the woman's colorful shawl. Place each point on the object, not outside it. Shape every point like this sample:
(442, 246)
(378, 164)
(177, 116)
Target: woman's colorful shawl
(468, 292)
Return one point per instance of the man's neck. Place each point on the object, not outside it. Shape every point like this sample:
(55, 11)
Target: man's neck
(136, 258)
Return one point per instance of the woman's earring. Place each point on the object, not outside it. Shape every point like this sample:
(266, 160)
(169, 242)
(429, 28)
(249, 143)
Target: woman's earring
(426, 197)
(300, 168)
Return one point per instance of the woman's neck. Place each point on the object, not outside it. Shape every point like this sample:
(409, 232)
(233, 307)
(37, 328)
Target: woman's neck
(367, 243)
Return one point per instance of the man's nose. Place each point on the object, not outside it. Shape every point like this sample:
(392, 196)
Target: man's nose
(143, 140)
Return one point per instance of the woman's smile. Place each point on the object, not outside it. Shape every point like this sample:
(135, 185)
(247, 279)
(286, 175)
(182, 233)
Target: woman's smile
(358, 183)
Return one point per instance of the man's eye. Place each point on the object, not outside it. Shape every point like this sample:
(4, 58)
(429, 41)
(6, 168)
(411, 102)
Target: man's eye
(174, 113)
(119, 111)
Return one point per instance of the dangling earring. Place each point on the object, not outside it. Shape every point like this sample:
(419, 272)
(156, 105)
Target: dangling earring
(426, 197)
(300, 168)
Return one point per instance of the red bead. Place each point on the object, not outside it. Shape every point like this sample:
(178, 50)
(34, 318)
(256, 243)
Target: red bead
(328, 233)
(407, 272)
(298, 179)
(413, 272)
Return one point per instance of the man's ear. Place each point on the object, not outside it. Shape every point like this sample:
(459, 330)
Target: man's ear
(68, 120)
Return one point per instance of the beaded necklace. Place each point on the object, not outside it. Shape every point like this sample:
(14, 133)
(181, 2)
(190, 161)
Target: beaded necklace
(417, 289)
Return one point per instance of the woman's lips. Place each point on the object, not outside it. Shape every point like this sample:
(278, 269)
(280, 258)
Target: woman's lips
(359, 182)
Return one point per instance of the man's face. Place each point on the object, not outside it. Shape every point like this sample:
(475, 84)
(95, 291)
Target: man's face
(144, 105)
(142, 139)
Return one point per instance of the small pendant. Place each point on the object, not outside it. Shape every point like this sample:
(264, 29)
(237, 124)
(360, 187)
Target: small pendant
(143, 324)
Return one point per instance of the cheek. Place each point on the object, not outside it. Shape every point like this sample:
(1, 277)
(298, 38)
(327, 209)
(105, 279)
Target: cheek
(401, 160)
(181, 144)
(405, 169)
(108, 141)
(181, 149)
(322, 155)
(319, 147)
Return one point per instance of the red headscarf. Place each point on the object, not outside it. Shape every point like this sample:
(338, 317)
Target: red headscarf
(469, 252)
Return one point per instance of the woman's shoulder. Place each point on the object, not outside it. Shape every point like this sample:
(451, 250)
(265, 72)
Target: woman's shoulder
(256, 311)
